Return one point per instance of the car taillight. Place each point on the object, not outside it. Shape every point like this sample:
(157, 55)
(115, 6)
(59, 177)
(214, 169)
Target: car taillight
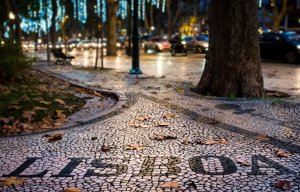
(127, 42)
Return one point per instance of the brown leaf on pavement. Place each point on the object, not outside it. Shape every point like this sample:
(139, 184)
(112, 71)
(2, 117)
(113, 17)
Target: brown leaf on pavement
(102, 106)
(84, 107)
(164, 124)
(160, 137)
(168, 85)
(280, 153)
(105, 148)
(135, 146)
(25, 98)
(97, 94)
(55, 137)
(283, 184)
(261, 138)
(179, 83)
(125, 105)
(244, 163)
(60, 101)
(45, 102)
(163, 76)
(171, 184)
(13, 107)
(169, 115)
(210, 142)
(71, 108)
(154, 92)
(139, 125)
(12, 181)
(185, 142)
(136, 82)
(26, 126)
(214, 121)
(142, 118)
(72, 190)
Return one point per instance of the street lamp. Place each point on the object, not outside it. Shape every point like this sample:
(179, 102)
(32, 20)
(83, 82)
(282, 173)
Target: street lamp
(135, 39)
(11, 15)
(152, 28)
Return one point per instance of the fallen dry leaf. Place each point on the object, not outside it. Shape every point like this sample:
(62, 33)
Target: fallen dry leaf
(214, 121)
(60, 101)
(164, 124)
(26, 126)
(136, 82)
(154, 92)
(163, 76)
(105, 148)
(102, 106)
(168, 85)
(171, 184)
(39, 108)
(72, 190)
(12, 181)
(280, 153)
(169, 115)
(179, 82)
(136, 146)
(55, 137)
(97, 94)
(138, 125)
(271, 75)
(6, 120)
(71, 108)
(45, 102)
(84, 107)
(125, 105)
(160, 137)
(28, 115)
(244, 163)
(261, 138)
(210, 142)
(185, 142)
(286, 185)
(13, 107)
(142, 118)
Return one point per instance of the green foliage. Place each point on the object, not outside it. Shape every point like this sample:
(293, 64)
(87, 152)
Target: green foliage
(207, 93)
(13, 61)
(231, 96)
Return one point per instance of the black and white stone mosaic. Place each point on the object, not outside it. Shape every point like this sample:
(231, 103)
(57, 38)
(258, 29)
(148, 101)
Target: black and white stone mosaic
(77, 159)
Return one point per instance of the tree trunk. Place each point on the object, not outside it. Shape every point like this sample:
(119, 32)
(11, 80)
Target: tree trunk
(147, 24)
(170, 24)
(151, 18)
(14, 9)
(233, 60)
(53, 25)
(276, 24)
(111, 10)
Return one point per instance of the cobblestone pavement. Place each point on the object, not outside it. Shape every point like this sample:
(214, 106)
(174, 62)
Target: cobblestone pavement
(77, 159)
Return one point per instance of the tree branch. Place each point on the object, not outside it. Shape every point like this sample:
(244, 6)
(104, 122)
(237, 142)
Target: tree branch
(285, 9)
(266, 14)
(275, 9)
(177, 13)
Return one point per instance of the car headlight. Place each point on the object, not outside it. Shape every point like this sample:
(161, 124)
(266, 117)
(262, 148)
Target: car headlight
(159, 44)
(25, 45)
(298, 46)
(183, 42)
(57, 46)
(71, 45)
(50, 46)
(62, 45)
(118, 44)
(104, 44)
(205, 45)
(86, 45)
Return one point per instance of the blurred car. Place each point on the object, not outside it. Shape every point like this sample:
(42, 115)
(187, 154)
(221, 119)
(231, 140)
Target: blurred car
(73, 43)
(157, 44)
(87, 44)
(121, 42)
(196, 43)
(280, 45)
(28, 45)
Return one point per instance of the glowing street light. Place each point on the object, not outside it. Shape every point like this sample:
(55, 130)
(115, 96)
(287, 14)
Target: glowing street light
(152, 27)
(11, 15)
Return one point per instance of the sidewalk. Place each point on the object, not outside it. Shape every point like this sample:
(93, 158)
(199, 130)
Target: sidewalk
(77, 160)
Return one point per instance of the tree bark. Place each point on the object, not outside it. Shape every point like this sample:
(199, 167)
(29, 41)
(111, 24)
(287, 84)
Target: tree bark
(170, 23)
(53, 23)
(14, 9)
(111, 10)
(233, 60)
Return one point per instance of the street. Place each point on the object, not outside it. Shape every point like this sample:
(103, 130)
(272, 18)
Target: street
(278, 75)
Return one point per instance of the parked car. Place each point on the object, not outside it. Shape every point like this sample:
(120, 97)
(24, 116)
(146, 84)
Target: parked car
(87, 44)
(157, 44)
(196, 43)
(280, 45)
(73, 43)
